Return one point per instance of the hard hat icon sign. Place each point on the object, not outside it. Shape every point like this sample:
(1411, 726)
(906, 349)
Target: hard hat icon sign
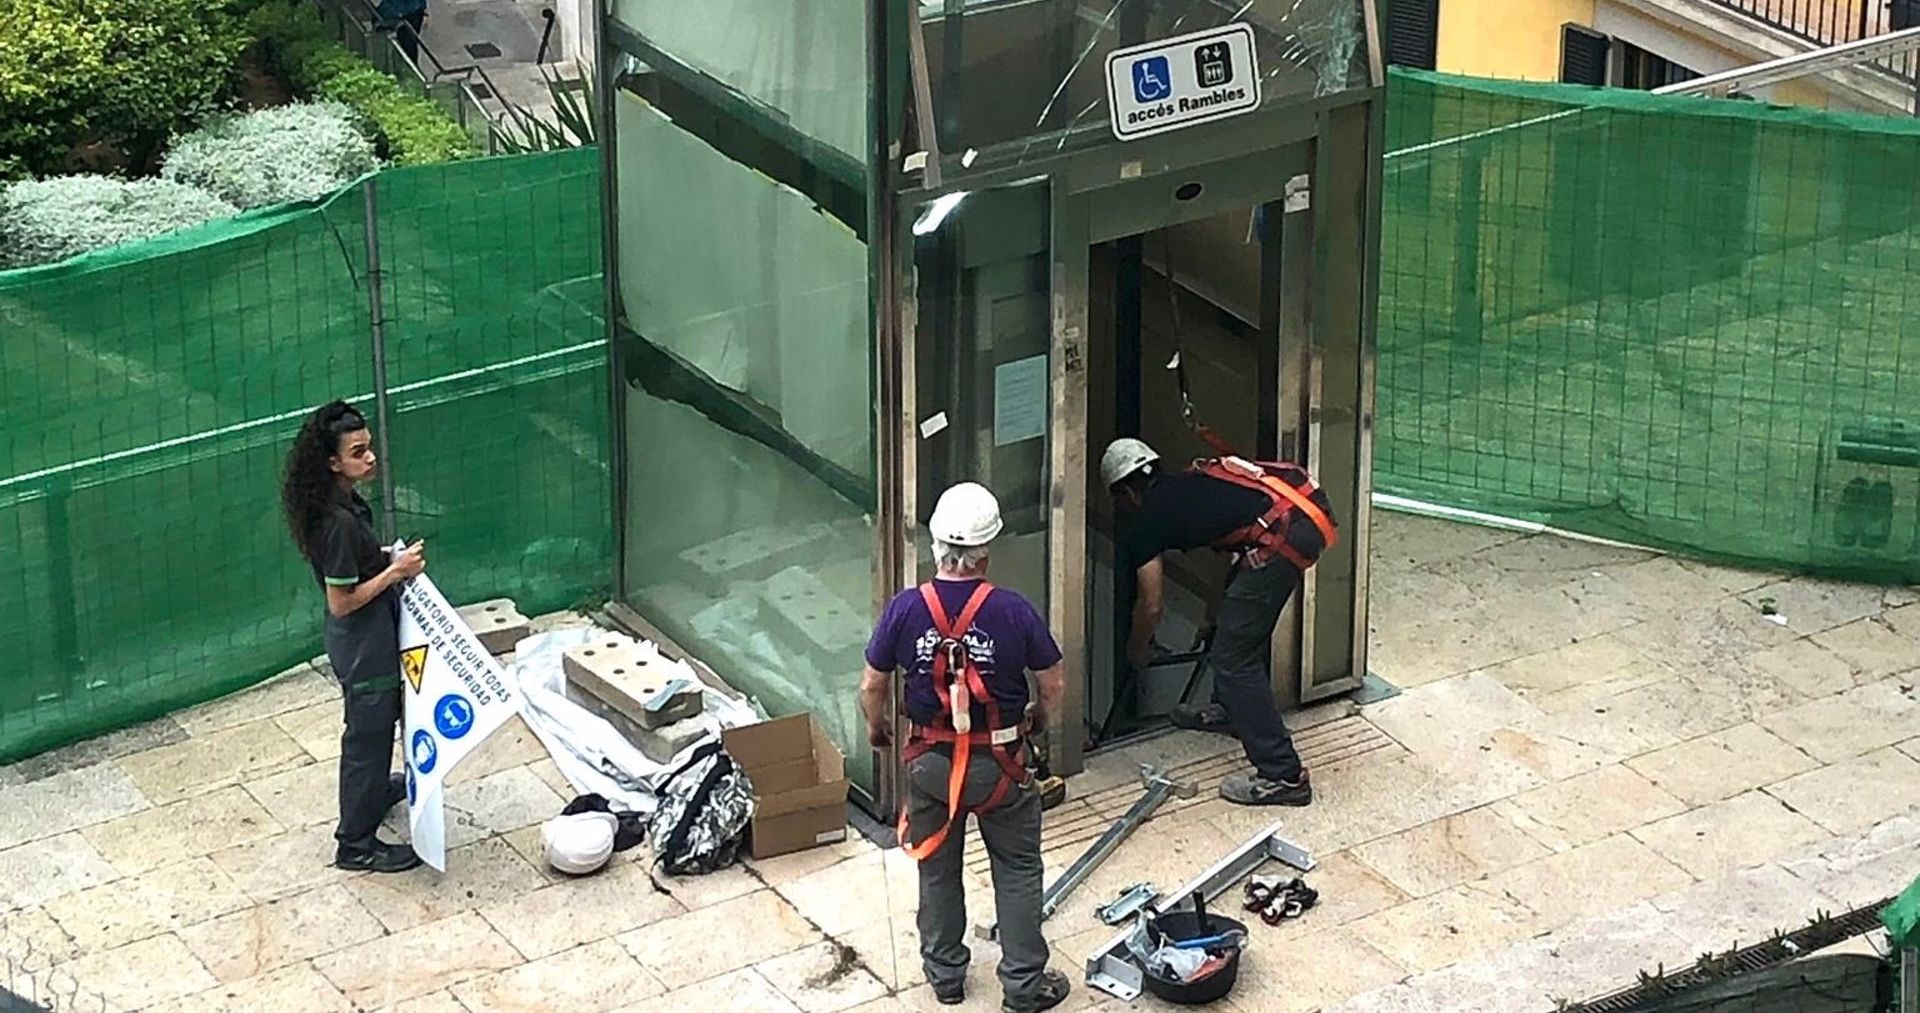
(1151, 80)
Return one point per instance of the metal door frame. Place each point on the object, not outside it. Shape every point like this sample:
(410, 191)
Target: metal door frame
(1340, 238)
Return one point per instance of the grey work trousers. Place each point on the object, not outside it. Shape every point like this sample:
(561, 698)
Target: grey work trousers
(1242, 650)
(1011, 832)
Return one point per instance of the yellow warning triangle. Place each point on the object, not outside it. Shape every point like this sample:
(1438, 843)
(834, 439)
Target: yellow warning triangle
(413, 665)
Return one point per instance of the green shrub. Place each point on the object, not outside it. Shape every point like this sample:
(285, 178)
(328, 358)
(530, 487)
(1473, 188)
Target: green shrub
(288, 153)
(412, 129)
(123, 71)
(42, 221)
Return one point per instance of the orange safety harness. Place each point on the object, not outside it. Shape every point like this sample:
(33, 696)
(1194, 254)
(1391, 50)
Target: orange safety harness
(1291, 494)
(956, 684)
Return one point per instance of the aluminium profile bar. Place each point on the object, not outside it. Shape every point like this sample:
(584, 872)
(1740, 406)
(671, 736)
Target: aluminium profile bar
(1111, 968)
(1787, 68)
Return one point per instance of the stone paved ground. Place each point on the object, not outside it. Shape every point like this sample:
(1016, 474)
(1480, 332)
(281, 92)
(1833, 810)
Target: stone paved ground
(1604, 760)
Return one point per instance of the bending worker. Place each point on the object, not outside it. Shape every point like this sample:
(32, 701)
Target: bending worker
(966, 647)
(1275, 522)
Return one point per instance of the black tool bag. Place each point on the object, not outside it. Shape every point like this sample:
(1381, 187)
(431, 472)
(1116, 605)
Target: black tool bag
(705, 808)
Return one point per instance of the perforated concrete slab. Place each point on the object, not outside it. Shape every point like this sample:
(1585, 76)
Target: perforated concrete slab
(498, 623)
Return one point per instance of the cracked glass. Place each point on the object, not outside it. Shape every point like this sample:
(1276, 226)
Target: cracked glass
(1021, 79)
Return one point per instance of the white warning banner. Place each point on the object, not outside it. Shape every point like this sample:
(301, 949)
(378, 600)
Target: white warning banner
(456, 695)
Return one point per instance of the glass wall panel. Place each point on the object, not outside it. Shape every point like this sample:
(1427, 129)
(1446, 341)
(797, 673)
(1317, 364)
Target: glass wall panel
(749, 422)
(805, 58)
(1032, 73)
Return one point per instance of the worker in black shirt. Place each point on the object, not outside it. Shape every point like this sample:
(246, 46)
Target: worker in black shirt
(1234, 506)
(333, 528)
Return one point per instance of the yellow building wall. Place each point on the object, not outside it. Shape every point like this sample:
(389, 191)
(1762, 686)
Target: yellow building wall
(1513, 39)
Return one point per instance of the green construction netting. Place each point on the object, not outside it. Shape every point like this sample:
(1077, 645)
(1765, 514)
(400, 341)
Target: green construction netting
(147, 394)
(1681, 322)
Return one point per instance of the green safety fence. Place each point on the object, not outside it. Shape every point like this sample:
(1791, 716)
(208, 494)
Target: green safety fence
(1680, 322)
(148, 393)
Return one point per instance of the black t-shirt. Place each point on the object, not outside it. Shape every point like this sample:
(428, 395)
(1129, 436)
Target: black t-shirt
(1186, 510)
(364, 643)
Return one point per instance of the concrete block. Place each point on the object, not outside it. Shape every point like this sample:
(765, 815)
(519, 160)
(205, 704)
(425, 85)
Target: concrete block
(658, 744)
(807, 612)
(498, 623)
(625, 673)
(753, 554)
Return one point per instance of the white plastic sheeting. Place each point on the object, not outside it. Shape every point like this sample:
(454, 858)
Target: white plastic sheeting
(591, 754)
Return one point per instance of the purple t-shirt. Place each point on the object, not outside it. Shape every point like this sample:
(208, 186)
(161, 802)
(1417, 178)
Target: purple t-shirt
(1007, 640)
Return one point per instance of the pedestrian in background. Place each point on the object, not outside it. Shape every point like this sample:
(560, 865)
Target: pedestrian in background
(333, 528)
(406, 18)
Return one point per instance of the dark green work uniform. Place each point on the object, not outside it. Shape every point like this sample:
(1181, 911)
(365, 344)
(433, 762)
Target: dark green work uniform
(364, 647)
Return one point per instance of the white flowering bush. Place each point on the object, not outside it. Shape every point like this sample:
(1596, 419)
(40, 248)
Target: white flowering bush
(295, 152)
(42, 221)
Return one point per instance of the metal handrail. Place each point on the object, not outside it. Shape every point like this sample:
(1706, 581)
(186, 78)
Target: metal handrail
(1832, 22)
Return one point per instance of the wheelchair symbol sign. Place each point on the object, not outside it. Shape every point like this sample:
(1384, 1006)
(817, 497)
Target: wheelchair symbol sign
(453, 715)
(424, 752)
(1152, 80)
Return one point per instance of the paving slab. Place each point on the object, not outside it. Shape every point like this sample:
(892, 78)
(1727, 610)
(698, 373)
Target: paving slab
(418, 961)
(1589, 807)
(1723, 764)
(1590, 880)
(295, 989)
(1746, 830)
(597, 976)
(1871, 647)
(681, 951)
(740, 990)
(1445, 853)
(53, 805)
(822, 978)
(1854, 795)
(482, 873)
(133, 908)
(566, 914)
(1846, 725)
(197, 826)
(259, 939)
(44, 870)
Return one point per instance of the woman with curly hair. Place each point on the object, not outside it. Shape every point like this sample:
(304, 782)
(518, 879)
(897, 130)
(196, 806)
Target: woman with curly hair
(333, 528)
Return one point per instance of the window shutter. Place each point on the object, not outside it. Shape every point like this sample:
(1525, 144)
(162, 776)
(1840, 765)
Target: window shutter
(1583, 55)
(1413, 33)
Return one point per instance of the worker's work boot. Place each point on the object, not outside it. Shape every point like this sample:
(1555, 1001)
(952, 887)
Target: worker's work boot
(1252, 789)
(950, 994)
(1205, 718)
(378, 856)
(1052, 992)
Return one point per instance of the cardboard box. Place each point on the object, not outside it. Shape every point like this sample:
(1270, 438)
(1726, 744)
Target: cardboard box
(800, 780)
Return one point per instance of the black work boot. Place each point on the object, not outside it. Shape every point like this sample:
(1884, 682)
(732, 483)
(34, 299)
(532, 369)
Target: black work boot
(1205, 718)
(951, 994)
(1253, 789)
(378, 856)
(1051, 992)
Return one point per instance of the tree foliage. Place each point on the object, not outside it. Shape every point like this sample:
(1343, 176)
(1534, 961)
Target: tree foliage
(125, 72)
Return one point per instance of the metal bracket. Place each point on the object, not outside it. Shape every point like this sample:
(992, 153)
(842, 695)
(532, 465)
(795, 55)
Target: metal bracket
(1159, 788)
(1129, 903)
(659, 701)
(1111, 968)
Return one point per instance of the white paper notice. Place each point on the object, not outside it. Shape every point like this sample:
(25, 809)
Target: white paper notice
(1019, 400)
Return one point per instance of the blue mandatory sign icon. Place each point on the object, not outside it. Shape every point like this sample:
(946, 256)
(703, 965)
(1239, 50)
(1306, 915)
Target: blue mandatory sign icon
(1152, 80)
(453, 715)
(413, 790)
(424, 752)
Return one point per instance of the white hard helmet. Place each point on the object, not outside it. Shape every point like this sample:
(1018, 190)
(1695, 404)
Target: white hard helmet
(1124, 456)
(967, 515)
(580, 843)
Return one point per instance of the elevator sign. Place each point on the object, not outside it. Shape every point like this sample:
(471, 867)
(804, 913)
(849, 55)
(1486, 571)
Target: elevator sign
(1182, 81)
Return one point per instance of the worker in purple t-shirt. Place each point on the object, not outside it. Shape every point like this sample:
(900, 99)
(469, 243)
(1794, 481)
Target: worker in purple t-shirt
(993, 633)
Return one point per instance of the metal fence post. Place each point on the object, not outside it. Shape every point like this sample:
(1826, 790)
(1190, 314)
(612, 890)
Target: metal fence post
(377, 329)
(1909, 972)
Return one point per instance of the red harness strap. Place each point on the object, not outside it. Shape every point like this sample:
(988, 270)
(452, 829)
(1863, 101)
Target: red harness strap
(1266, 537)
(956, 683)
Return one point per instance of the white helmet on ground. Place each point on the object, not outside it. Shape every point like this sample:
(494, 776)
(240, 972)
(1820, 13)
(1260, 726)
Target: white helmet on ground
(580, 843)
(967, 516)
(1124, 456)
